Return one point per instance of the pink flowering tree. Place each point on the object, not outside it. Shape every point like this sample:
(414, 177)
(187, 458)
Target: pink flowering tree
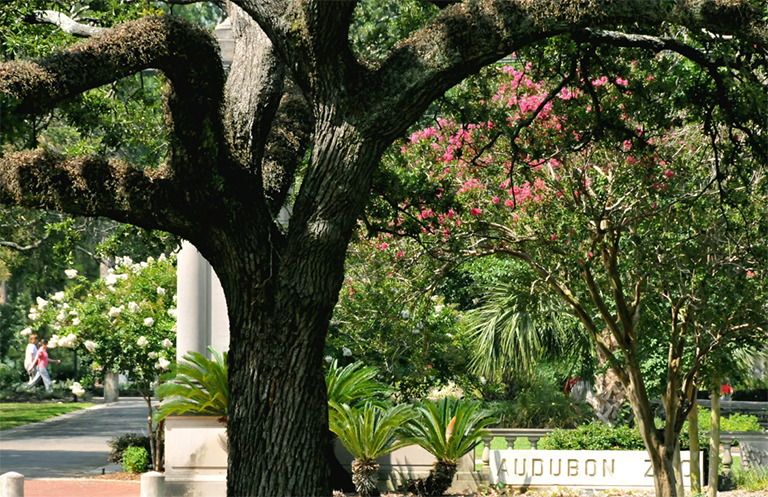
(639, 219)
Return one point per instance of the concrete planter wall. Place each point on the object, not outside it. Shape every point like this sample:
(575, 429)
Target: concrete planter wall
(195, 457)
(196, 461)
(414, 462)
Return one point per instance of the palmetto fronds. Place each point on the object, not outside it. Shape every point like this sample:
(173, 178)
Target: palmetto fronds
(513, 330)
(196, 384)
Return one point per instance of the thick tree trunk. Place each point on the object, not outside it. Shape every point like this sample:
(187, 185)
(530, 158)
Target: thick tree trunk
(280, 294)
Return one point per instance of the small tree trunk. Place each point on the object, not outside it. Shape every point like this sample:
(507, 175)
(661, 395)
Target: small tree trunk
(693, 434)
(714, 440)
(661, 455)
(111, 386)
(679, 471)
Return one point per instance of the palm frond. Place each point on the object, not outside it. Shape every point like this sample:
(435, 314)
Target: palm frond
(354, 383)
(369, 431)
(195, 385)
(515, 329)
(448, 428)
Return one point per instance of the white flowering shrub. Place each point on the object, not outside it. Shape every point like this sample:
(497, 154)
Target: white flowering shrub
(124, 322)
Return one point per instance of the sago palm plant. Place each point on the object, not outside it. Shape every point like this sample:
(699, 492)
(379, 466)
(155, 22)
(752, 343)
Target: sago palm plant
(354, 383)
(448, 429)
(197, 385)
(368, 432)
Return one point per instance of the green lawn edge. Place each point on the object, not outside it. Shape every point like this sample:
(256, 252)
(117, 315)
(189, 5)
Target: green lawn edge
(13, 415)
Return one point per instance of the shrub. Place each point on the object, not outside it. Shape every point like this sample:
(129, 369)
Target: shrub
(119, 445)
(541, 408)
(751, 479)
(135, 460)
(593, 436)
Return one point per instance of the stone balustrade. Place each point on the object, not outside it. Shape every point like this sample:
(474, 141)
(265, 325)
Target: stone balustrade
(511, 435)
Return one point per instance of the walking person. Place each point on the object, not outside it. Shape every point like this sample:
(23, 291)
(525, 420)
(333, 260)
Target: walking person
(42, 366)
(30, 356)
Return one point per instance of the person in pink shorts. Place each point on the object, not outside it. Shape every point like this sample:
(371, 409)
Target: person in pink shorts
(42, 366)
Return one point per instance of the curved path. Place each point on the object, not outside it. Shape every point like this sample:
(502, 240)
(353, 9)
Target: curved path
(71, 445)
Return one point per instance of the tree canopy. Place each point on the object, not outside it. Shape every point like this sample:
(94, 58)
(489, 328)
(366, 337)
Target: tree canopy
(301, 110)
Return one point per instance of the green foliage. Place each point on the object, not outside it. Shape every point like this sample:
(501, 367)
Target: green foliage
(751, 479)
(118, 446)
(386, 318)
(353, 384)
(196, 385)
(593, 436)
(369, 431)
(541, 408)
(513, 330)
(378, 25)
(135, 460)
(448, 428)
(733, 422)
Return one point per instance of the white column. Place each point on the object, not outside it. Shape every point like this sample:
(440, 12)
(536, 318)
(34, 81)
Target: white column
(219, 316)
(193, 291)
(12, 485)
(153, 484)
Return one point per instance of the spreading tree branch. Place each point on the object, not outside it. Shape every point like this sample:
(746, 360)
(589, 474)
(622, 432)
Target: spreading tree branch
(91, 186)
(66, 23)
(193, 117)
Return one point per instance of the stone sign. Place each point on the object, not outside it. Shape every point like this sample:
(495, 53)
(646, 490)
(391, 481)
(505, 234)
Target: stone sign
(594, 469)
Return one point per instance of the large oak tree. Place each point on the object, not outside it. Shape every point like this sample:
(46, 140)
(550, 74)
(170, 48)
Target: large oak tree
(237, 142)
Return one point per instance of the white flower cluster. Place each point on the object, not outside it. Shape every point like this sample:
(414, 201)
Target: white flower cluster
(142, 341)
(58, 296)
(91, 346)
(172, 312)
(71, 273)
(346, 352)
(26, 331)
(115, 311)
(160, 290)
(77, 389)
(166, 343)
(162, 363)
(149, 321)
(67, 342)
(328, 359)
(133, 307)
(34, 312)
(111, 279)
(124, 261)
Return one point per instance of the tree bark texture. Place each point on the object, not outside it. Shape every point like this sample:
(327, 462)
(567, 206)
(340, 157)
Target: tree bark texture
(234, 151)
(693, 435)
(714, 440)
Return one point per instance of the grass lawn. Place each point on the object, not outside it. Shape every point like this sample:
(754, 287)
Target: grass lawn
(13, 415)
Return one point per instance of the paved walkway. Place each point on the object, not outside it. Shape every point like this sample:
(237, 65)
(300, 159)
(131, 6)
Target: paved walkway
(71, 446)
